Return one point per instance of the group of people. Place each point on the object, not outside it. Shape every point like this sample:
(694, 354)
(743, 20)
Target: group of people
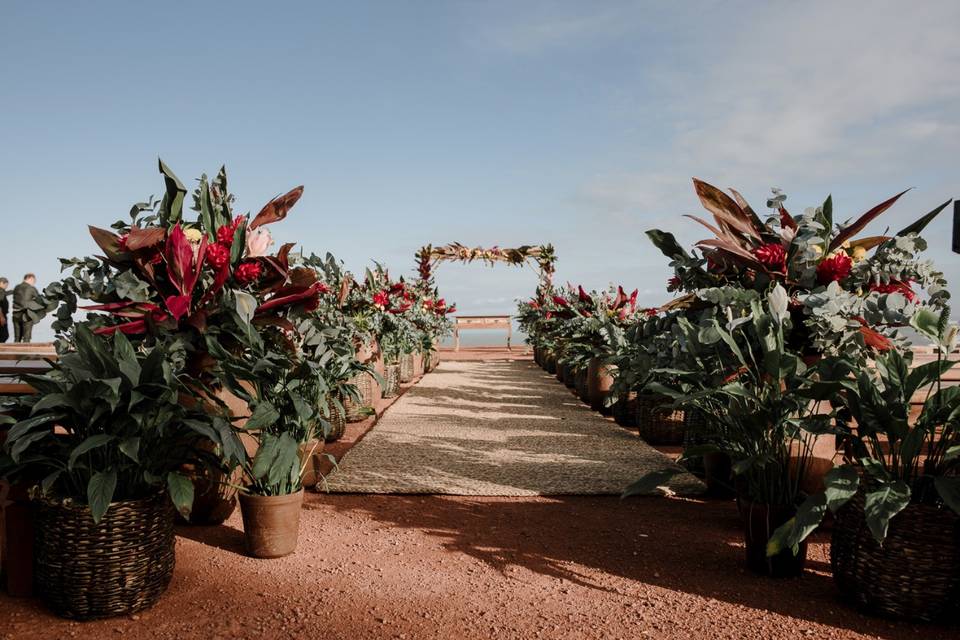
(23, 321)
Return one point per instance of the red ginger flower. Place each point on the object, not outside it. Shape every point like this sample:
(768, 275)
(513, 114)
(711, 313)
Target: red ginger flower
(381, 299)
(895, 286)
(226, 232)
(217, 256)
(772, 256)
(248, 272)
(834, 269)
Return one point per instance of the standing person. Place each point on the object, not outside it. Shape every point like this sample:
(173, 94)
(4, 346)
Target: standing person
(23, 294)
(4, 310)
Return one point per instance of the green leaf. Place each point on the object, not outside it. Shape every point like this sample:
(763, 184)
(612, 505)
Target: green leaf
(882, 504)
(48, 481)
(651, 483)
(264, 415)
(949, 490)
(171, 208)
(667, 244)
(794, 531)
(29, 424)
(266, 456)
(181, 492)
(841, 484)
(952, 453)
(126, 358)
(921, 224)
(92, 442)
(100, 491)
(130, 447)
(130, 287)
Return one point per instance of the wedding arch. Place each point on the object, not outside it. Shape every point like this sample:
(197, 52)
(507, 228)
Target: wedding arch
(540, 257)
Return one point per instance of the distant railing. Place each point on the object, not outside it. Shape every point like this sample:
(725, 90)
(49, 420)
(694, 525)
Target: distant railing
(464, 323)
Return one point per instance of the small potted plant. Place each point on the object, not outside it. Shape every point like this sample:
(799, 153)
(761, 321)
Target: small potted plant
(102, 442)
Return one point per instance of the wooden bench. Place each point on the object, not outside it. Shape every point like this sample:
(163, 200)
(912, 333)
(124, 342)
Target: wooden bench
(17, 359)
(482, 322)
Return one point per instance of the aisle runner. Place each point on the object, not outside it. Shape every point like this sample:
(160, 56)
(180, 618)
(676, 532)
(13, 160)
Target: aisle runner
(497, 429)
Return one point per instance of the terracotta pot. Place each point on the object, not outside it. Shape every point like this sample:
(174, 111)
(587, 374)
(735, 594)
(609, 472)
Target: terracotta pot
(599, 383)
(271, 524)
(759, 523)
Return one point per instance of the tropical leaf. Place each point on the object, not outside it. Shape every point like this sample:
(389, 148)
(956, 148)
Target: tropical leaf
(100, 491)
(922, 223)
(855, 227)
(180, 489)
(171, 208)
(725, 210)
(277, 208)
(882, 504)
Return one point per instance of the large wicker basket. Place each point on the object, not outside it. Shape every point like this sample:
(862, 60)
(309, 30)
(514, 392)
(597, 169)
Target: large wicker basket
(358, 410)
(338, 423)
(914, 575)
(550, 363)
(656, 422)
(406, 368)
(391, 380)
(122, 565)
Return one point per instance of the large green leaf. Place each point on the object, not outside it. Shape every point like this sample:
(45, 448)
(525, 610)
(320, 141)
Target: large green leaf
(882, 504)
(652, 483)
(126, 358)
(100, 492)
(808, 517)
(666, 242)
(949, 490)
(264, 415)
(171, 209)
(181, 492)
(29, 424)
(90, 443)
(130, 447)
(841, 484)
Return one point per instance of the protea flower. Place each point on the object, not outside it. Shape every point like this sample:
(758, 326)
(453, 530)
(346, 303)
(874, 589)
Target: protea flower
(835, 268)
(772, 256)
(248, 272)
(258, 242)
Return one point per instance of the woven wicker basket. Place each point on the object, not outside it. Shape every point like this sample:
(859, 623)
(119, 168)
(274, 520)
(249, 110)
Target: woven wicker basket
(338, 423)
(657, 423)
(914, 575)
(358, 410)
(624, 411)
(550, 363)
(123, 564)
(391, 380)
(406, 368)
(569, 375)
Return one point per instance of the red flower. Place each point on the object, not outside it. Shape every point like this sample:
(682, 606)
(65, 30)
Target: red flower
(217, 256)
(397, 287)
(534, 304)
(122, 241)
(652, 311)
(557, 300)
(381, 299)
(834, 269)
(322, 288)
(226, 232)
(772, 256)
(895, 286)
(452, 309)
(248, 272)
(673, 283)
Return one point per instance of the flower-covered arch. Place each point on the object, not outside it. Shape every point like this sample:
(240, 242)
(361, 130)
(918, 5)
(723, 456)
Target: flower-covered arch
(541, 257)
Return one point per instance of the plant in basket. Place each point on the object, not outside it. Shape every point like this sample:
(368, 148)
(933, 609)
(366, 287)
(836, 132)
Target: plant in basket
(103, 442)
(895, 549)
(163, 279)
(762, 416)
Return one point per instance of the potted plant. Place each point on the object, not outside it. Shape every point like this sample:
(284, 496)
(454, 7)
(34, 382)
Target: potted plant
(763, 419)
(895, 548)
(103, 442)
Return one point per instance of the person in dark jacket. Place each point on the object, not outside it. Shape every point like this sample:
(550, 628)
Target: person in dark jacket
(4, 310)
(23, 295)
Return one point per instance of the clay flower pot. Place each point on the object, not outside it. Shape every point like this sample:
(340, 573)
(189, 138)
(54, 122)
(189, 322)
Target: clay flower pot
(271, 524)
(599, 383)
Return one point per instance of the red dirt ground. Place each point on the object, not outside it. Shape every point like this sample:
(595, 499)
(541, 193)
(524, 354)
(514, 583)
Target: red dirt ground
(468, 567)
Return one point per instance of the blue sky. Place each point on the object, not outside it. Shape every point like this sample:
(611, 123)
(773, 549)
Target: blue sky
(489, 123)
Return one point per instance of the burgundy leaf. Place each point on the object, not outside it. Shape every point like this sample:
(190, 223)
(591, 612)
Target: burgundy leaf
(277, 208)
(849, 231)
